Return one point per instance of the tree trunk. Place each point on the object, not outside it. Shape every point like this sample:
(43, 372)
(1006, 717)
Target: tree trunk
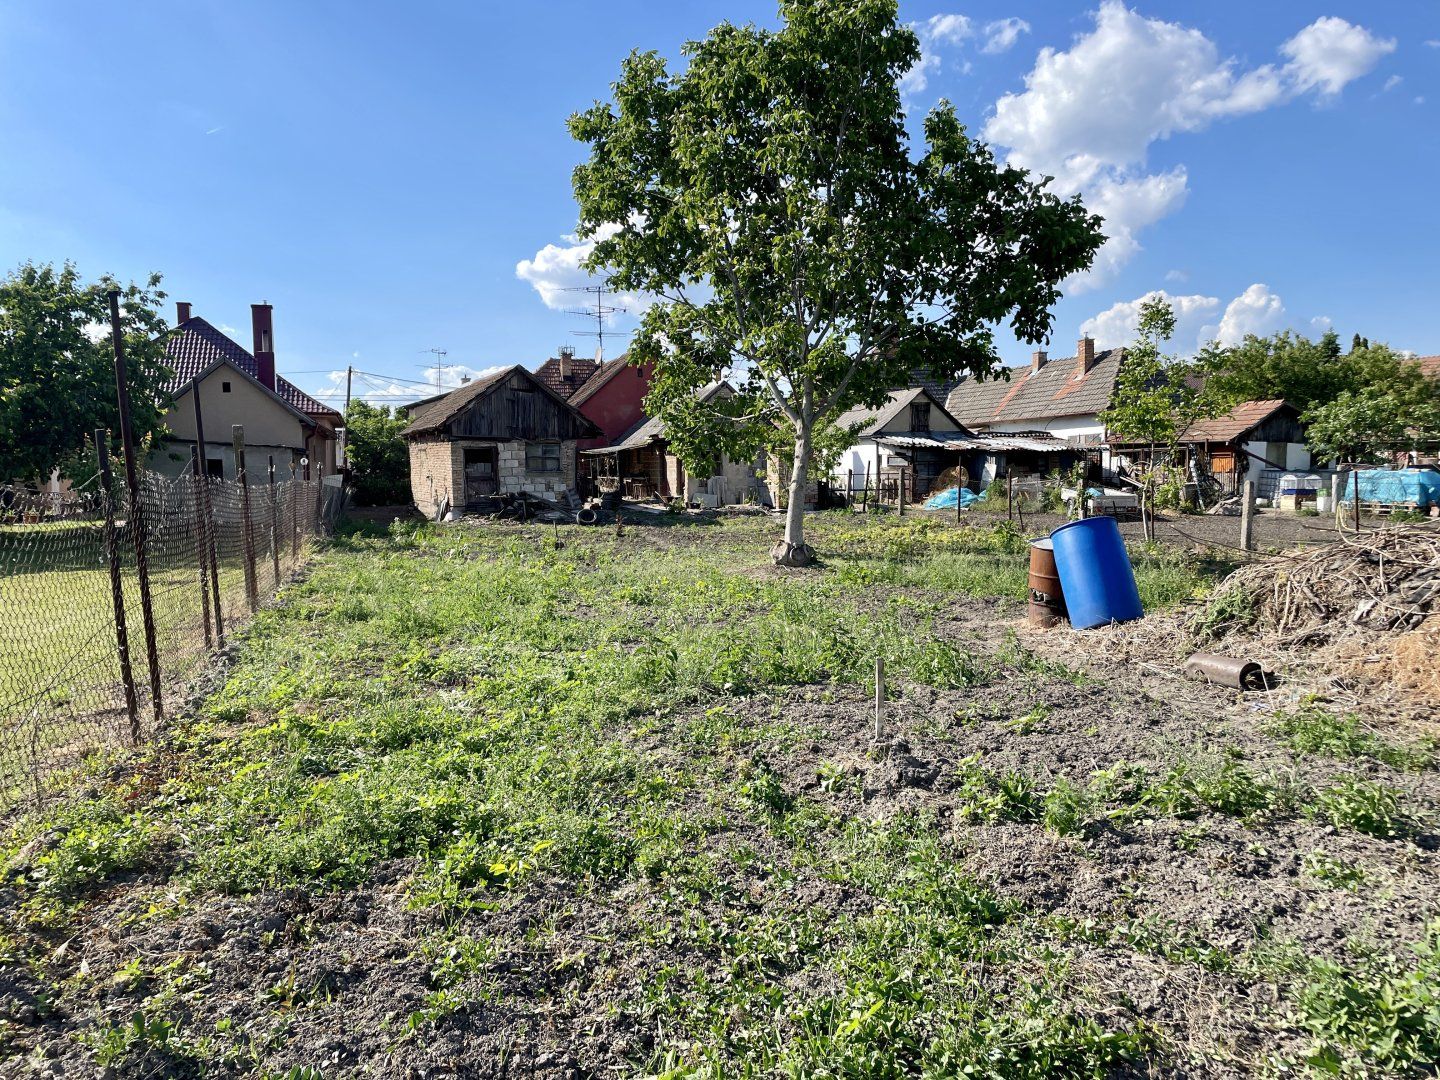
(793, 551)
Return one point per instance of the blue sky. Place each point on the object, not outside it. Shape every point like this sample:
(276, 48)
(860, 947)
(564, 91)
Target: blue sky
(397, 179)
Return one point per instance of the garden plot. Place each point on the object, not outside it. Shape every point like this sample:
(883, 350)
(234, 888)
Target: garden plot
(472, 803)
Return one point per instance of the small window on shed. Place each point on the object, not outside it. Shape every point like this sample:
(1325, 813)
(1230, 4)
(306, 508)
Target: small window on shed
(542, 457)
(919, 416)
(225, 387)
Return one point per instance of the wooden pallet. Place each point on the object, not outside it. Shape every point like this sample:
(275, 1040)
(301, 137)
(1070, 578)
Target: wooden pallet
(1384, 509)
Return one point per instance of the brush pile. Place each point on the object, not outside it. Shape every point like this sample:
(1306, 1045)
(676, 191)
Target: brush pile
(1385, 581)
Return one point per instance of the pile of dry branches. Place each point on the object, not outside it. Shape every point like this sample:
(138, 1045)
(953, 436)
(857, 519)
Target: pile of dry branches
(1380, 581)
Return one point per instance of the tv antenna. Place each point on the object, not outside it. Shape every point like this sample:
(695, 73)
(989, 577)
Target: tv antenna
(440, 355)
(599, 312)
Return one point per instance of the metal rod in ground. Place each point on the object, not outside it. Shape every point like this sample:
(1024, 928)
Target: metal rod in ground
(274, 522)
(879, 698)
(137, 514)
(202, 555)
(1247, 516)
(901, 511)
(211, 544)
(252, 593)
(117, 588)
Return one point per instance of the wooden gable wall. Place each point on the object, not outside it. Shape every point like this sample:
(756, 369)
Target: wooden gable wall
(517, 409)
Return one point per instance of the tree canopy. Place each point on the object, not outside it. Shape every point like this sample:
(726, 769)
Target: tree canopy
(767, 196)
(378, 457)
(57, 371)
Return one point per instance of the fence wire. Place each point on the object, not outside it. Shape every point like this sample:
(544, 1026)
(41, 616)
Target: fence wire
(208, 545)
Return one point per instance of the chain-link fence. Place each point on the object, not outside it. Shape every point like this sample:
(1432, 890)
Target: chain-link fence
(108, 612)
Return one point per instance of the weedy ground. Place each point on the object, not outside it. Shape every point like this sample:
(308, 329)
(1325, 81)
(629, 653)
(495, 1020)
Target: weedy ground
(496, 800)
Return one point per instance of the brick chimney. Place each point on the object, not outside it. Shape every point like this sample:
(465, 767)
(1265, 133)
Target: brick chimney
(1085, 355)
(262, 325)
(566, 355)
(1037, 359)
(182, 311)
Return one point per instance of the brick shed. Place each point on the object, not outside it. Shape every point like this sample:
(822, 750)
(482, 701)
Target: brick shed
(500, 435)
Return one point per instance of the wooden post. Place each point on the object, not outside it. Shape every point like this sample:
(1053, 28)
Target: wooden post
(879, 698)
(202, 554)
(1335, 511)
(1247, 516)
(865, 494)
(1355, 495)
(137, 512)
(274, 522)
(901, 491)
(117, 589)
(849, 486)
(211, 544)
(237, 440)
(1010, 498)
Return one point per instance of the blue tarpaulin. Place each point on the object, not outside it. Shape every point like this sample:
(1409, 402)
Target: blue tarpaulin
(945, 500)
(1420, 487)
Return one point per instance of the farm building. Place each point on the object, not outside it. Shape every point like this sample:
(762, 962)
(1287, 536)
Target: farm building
(504, 434)
(281, 421)
(1062, 397)
(640, 465)
(914, 440)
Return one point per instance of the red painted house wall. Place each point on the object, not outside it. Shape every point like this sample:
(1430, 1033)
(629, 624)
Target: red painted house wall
(617, 406)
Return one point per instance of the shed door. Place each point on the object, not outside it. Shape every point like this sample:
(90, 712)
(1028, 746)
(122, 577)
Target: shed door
(480, 473)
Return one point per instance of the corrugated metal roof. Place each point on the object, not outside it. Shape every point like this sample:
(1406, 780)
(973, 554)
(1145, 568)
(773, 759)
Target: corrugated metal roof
(986, 443)
(1057, 389)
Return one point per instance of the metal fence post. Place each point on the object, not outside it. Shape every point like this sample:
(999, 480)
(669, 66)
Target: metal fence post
(274, 523)
(294, 514)
(1010, 498)
(252, 594)
(211, 543)
(901, 492)
(137, 512)
(202, 555)
(117, 589)
(1355, 495)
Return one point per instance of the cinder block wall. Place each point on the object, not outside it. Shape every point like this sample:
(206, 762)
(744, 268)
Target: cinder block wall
(437, 471)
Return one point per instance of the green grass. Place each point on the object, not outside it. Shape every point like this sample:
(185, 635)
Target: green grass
(615, 717)
(1312, 729)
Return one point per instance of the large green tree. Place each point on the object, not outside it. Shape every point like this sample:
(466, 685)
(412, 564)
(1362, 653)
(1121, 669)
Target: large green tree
(768, 196)
(378, 457)
(57, 373)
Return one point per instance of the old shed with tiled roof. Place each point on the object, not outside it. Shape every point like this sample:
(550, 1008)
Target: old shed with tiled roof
(1064, 396)
(503, 434)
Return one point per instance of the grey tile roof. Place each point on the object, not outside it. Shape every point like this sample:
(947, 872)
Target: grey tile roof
(1054, 391)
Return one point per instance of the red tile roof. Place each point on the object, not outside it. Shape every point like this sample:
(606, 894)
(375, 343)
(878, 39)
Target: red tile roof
(549, 373)
(1236, 422)
(1430, 365)
(196, 346)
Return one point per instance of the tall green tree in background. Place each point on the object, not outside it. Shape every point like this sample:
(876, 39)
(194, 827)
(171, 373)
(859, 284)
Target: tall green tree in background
(378, 457)
(768, 197)
(57, 370)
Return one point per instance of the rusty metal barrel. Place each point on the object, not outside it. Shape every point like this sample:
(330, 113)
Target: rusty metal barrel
(1047, 601)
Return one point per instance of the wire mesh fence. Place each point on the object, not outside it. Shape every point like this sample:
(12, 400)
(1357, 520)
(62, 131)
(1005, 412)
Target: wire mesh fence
(84, 669)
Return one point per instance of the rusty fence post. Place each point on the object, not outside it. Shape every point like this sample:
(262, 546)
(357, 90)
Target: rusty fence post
(274, 523)
(137, 515)
(202, 555)
(212, 544)
(117, 588)
(237, 437)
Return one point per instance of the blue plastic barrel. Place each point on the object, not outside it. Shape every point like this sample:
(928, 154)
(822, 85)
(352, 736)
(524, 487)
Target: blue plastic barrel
(1095, 573)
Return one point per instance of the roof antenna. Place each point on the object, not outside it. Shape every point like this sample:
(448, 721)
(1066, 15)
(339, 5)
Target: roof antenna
(600, 312)
(440, 355)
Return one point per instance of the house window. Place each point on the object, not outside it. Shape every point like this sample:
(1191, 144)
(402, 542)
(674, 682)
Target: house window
(225, 387)
(920, 416)
(542, 457)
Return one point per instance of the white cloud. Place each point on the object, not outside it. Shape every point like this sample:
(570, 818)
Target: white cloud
(385, 390)
(1392, 82)
(1321, 323)
(1434, 43)
(1001, 34)
(1088, 115)
(1330, 52)
(556, 268)
(1255, 311)
(1179, 276)
(1118, 324)
(917, 78)
(945, 29)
